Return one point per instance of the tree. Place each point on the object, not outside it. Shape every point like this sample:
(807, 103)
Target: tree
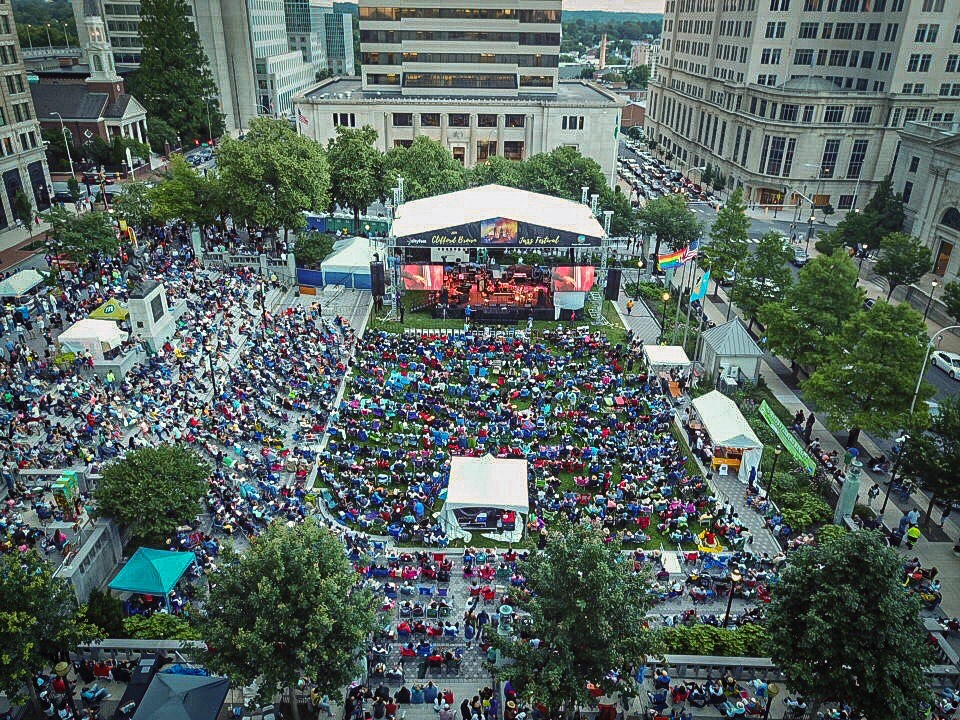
(274, 175)
(427, 168)
(670, 219)
(135, 204)
(563, 172)
(39, 620)
(312, 248)
(356, 169)
(160, 626)
(56, 146)
(81, 237)
(587, 73)
(174, 81)
(951, 298)
(623, 222)
(497, 170)
(73, 187)
(106, 612)
(153, 490)
(728, 239)
(805, 323)
(883, 214)
(903, 260)
(290, 606)
(638, 77)
(23, 208)
(762, 277)
(932, 454)
(587, 606)
(635, 132)
(869, 378)
(187, 195)
(842, 627)
(163, 137)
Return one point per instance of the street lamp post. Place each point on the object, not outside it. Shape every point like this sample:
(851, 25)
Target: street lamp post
(810, 223)
(49, 41)
(62, 669)
(30, 36)
(772, 691)
(663, 316)
(66, 35)
(735, 577)
(773, 471)
(903, 439)
(863, 254)
(66, 142)
(926, 310)
(636, 290)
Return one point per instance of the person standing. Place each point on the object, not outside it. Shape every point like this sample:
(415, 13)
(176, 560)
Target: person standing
(872, 493)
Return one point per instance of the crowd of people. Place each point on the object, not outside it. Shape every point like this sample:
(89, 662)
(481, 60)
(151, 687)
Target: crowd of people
(595, 434)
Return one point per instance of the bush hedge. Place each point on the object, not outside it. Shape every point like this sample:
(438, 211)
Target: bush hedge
(746, 641)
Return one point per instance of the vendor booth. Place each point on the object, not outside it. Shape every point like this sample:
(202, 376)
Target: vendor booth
(487, 495)
(349, 264)
(668, 363)
(20, 283)
(100, 337)
(112, 309)
(152, 572)
(736, 449)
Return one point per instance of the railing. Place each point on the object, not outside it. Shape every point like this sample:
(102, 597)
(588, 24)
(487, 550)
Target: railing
(30, 53)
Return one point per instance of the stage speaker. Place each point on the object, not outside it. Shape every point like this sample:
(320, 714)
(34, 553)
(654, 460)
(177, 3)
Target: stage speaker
(612, 290)
(378, 282)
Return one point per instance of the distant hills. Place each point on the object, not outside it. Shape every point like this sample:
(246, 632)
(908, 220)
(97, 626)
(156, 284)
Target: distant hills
(605, 16)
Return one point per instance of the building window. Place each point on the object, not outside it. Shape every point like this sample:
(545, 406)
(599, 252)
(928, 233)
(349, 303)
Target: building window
(513, 149)
(344, 119)
(808, 113)
(914, 164)
(907, 191)
(789, 113)
(812, 5)
(913, 88)
(861, 115)
(838, 58)
(911, 114)
(775, 29)
(514, 121)
(808, 30)
(844, 31)
(430, 119)
(857, 154)
(803, 57)
(486, 149)
(932, 6)
(780, 5)
(833, 114)
(956, 34)
(403, 119)
(950, 90)
(458, 120)
(572, 122)
(770, 56)
(402, 143)
(828, 161)
(953, 61)
(486, 120)
(775, 156)
(891, 33)
(926, 33)
(845, 202)
(919, 62)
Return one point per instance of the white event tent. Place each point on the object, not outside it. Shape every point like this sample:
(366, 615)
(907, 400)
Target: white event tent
(97, 336)
(484, 482)
(349, 264)
(735, 446)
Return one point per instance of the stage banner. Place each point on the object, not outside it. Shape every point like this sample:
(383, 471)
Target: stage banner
(498, 232)
(788, 439)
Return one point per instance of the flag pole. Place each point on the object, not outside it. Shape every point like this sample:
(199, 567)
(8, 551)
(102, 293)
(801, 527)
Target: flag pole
(693, 276)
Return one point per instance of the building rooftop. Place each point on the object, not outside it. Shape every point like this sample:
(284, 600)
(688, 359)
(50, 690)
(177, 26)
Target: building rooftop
(931, 130)
(575, 92)
(76, 102)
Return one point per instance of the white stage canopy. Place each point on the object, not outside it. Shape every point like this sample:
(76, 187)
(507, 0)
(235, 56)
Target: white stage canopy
(97, 336)
(727, 428)
(666, 356)
(484, 482)
(20, 283)
(475, 205)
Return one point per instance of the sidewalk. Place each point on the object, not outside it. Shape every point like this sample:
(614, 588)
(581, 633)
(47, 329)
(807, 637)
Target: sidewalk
(645, 325)
(938, 554)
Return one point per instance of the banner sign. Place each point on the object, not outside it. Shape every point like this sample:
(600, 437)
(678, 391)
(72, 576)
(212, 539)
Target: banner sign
(498, 232)
(789, 440)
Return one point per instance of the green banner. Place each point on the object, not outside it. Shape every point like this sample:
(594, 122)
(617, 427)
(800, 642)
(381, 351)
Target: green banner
(789, 440)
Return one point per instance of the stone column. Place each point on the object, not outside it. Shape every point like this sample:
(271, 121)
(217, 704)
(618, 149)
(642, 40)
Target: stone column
(501, 120)
(443, 130)
(471, 157)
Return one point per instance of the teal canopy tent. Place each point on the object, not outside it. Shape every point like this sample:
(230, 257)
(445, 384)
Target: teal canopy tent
(152, 572)
(183, 697)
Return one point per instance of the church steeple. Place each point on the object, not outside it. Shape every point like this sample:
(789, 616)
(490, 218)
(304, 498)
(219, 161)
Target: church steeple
(99, 52)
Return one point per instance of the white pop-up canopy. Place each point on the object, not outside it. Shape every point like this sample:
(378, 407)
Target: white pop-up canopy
(659, 356)
(97, 336)
(349, 264)
(484, 482)
(20, 283)
(734, 442)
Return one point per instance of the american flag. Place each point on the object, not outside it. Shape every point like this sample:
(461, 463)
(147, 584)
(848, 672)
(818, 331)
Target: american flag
(301, 118)
(691, 252)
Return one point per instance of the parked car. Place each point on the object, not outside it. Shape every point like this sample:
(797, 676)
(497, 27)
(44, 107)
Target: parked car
(869, 303)
(948, 362)
(800, 257)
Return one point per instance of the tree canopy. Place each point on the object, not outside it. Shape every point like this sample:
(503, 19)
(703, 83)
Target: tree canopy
(153, 490)
(174, 82)
(869, 379)
(288, 607)
(842, 628)
(804, 325)
(728, 239)
(670, 219)
(187, 195)
(274, 175)
(135, 204)
(764, 276)
(427, 168)
(932, 454)
(356, 169)
(81, 237)
(903, 260)
(883, 214)
(39, 620)
(587, 608)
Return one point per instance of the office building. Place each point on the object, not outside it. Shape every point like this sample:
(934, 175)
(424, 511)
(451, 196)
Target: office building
(926, 171)
(645, 53)
(246, 42)
(322, 36)
(800, 101)
(482, 80)
(23, 164)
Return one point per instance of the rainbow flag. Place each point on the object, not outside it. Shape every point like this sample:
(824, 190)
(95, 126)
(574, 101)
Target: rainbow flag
(670, 260)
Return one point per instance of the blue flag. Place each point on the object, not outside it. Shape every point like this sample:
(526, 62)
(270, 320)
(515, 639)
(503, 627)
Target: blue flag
(701, 291)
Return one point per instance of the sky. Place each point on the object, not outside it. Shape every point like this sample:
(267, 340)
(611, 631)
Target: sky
(616, 5)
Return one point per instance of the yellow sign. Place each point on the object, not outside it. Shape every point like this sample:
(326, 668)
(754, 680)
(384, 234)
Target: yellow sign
(123, 226)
